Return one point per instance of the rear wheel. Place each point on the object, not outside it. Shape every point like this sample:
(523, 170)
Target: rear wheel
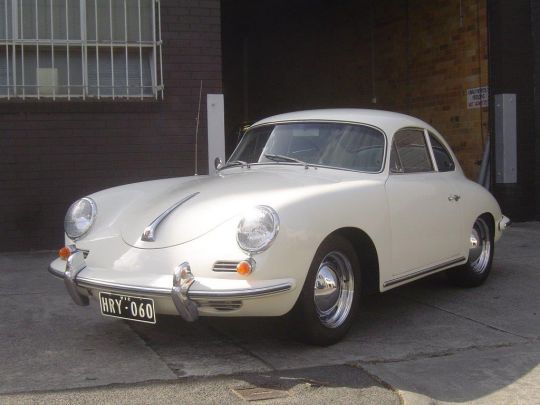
(327, 304)
(476, 270)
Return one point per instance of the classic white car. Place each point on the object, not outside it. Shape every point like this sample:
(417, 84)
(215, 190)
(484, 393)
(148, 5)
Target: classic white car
(312, 209)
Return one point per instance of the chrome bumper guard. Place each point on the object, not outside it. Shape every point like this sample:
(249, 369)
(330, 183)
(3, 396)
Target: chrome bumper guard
(183, 279)
(504, 223)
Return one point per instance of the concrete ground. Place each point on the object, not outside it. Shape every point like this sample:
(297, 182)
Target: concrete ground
(424, 343)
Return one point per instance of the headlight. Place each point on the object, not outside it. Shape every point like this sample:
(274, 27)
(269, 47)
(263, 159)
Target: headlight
(80, 217)
(257, 229)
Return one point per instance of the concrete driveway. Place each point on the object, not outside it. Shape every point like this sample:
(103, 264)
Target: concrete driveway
(424, 342)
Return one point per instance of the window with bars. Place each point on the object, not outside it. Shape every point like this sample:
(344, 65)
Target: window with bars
(80, 49)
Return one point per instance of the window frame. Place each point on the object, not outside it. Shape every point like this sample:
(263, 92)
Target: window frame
(428, 150)
(14, 43)
(430, 134)
(322, 121)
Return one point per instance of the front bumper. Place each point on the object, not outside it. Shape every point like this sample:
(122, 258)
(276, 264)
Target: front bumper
(181, 295)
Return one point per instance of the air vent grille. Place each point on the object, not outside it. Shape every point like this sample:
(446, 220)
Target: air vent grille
(221, 305)
(225, 266)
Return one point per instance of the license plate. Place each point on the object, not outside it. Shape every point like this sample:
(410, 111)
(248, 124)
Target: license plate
(126, 307)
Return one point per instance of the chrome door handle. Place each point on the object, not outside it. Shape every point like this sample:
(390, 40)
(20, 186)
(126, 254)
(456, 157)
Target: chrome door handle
(454, 197)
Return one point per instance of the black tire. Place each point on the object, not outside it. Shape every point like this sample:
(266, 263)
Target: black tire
(307, 323)
(478, 266)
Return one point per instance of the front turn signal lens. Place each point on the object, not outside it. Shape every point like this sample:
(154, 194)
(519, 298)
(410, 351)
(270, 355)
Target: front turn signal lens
(244, 268)
(64, 253)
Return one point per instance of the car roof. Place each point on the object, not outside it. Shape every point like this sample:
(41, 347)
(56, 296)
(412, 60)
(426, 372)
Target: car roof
(388, 121)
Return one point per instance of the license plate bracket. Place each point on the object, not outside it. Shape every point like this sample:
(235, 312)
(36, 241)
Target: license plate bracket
(140, 309)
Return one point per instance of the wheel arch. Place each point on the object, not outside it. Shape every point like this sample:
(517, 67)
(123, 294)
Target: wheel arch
(491, 219)
(367, 256)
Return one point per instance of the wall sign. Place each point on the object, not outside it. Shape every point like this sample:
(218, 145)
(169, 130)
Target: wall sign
(477, 97)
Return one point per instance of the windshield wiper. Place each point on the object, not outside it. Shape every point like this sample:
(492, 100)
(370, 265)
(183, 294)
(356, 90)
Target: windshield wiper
(234, 163)
(283, 158)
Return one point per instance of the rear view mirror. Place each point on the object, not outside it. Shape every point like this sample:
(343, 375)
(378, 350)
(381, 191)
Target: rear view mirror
(218, 163)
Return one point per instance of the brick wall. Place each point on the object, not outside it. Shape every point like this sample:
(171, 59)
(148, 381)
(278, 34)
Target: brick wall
(412, 56)
(52, 153)
(428, 53)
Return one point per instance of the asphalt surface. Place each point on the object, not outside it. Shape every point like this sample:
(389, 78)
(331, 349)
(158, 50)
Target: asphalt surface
(424, 343)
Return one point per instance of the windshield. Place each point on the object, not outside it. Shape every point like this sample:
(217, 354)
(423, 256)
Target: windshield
(340, 145)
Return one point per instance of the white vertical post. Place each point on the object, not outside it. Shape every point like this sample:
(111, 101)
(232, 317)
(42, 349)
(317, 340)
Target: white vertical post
(215, 107)
(505, 138)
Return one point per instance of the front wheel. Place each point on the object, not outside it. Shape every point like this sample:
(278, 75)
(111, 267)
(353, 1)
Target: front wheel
(476, 270)
(327, 304)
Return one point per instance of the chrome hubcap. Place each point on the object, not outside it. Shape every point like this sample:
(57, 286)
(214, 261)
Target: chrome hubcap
(334, 289)
(480, 247)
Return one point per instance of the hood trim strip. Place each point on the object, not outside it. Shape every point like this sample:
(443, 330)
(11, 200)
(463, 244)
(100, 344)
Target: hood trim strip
(149, 233)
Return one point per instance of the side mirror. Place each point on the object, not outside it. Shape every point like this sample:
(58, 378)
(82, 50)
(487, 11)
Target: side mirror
(218, 163)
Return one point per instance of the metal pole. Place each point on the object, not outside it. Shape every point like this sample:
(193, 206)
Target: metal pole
(126, 48)
(84, 48)
(14, 36)
(22, 51)
(112, 50)
(140, 51)
(160, 50)
(52, 48)
(483, 175)
(7, 49)
(67, 53)
(154, 50)
(97, 50)
(197, 129)
(37, 47)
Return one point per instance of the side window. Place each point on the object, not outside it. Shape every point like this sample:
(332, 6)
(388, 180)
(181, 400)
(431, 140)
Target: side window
(442, 157)
(409, 152)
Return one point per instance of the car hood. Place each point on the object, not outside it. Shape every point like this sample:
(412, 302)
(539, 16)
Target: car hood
(215, 199)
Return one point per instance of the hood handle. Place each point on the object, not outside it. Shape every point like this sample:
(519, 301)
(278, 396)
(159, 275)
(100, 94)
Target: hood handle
(149, 233)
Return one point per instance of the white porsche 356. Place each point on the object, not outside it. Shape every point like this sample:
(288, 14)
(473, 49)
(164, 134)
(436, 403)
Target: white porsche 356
(312, 209)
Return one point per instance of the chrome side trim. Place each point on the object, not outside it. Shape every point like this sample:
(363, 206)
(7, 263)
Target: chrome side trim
(247, 293)
(85, 282)
(424, 272)
(150, 231)
(244, 293)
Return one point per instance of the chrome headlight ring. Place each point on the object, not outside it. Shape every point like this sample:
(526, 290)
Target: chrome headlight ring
(257, 229)
(80, 217)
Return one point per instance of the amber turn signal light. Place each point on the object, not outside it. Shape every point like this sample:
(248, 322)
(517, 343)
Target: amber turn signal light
(244, 268)
(64, 253)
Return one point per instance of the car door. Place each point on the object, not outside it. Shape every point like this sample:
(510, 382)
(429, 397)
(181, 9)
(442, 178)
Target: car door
(423, 206)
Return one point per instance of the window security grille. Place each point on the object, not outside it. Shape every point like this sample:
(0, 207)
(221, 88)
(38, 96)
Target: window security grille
(80, 49)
